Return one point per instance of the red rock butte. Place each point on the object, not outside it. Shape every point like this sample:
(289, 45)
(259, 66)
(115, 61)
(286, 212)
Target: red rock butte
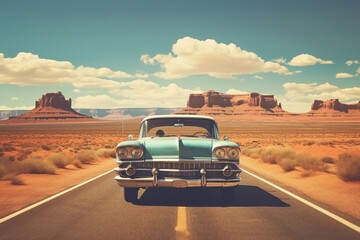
(52, 106)
(334, 107)
(215, 103)
(255, 106)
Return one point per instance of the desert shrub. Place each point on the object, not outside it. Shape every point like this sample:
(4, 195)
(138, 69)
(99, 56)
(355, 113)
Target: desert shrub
(254, 152)
(36, 164)
(307, 173)
(77, 163)
(86, 156)
(329, 143)
(309, 143)
(327, 159)
(105, 152)
(310, 162)
(8, 166)
(23, 154)
(15, 180)
(274, 154)
(287, 164)
(8, 147)
(286, 158)
(45, 147)
(348, 167)
(108, 146)
(60, 160)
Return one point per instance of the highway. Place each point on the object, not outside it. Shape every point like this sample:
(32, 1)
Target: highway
(97, 211)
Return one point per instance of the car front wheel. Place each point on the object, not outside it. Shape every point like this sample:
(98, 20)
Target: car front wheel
(130, 194)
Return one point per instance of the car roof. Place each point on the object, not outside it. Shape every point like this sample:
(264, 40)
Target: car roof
(178, 116)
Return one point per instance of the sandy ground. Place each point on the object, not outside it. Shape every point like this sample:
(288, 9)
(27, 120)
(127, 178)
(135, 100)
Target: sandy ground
(41, 186)
(323, 187)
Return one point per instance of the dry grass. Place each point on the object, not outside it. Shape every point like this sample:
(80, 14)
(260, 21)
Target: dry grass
(348, 167)
(286, 158)
(77, 163)
(15, 180)
(37, 165)
(60, 160)
(86, 156)
(106, 153)
(328, 159)
(33, 164)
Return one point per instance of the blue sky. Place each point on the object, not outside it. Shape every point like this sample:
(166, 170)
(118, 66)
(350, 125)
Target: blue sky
(109, 54)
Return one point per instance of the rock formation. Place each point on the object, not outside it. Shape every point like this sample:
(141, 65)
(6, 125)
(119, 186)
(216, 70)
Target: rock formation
(52, 106)
(334, 104)
(334, 107)
(215, 103)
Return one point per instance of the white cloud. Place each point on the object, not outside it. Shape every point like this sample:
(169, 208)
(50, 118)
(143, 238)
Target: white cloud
(235, 91)
(258, 77)
(77, 90)
(280, 60)
(300, 96)
(298, 71)
(191, 56)
(350, 62)
(14, 98)
(138, 93)
(307, 60)
(101, 72)
(348, 75)
(344, 75)
(139, 75)
(29, 69)
(5, 108)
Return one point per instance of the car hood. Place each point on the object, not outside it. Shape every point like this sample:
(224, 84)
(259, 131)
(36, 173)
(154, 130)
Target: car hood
(178, 148)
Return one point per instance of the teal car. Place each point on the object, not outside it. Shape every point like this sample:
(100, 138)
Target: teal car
(178, 151)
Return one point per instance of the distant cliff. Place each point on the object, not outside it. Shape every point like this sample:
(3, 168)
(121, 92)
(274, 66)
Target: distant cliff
(105, 114)
(334, 107)
(215, 103)
(51, 106)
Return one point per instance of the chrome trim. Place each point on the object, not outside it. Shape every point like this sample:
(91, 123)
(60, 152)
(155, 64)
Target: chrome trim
(176, 182)
(205, 160)
(203, 177)
(117, 169)
(155, 172)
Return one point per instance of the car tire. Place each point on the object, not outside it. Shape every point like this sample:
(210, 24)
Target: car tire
(131, 194)
(228, 194)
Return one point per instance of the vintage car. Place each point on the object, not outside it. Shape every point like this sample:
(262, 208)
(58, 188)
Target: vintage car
(178, 151)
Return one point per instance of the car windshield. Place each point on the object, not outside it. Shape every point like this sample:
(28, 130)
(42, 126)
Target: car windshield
(177, 127)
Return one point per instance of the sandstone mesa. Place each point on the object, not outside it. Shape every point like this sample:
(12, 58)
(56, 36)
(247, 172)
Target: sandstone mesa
(51, 106)
(265, 107)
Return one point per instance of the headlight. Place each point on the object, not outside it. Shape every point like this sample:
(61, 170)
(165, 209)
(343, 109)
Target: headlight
(219, 153)
(233, 153)
(122, 152)
(227, 152)
(136, 152)
(129, 152)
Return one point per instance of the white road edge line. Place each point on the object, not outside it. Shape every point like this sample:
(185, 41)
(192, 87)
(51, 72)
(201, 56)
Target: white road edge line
(316, 207)
(8, 217)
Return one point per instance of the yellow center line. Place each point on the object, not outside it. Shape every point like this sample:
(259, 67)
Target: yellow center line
(181, 227)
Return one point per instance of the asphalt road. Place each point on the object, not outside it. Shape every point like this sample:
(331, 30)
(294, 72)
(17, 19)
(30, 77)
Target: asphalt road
(97, 211)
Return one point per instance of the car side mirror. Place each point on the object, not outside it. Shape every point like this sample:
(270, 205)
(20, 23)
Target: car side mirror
(226, 138)
(130, 137)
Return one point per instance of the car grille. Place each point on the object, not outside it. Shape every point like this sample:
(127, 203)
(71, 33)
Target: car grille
(169, 169)
(179, 165)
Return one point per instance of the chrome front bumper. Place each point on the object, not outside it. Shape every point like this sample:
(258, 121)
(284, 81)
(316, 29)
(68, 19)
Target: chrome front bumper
(175, 182)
